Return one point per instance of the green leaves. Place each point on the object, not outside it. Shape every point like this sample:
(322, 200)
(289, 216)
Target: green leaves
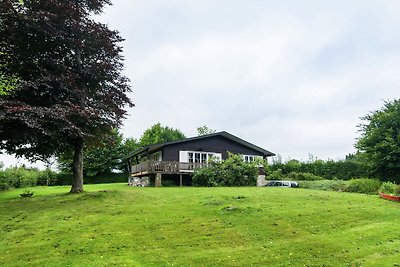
(380, 140)
(160, 134)
(204, 130)
(7, 84)
(231, 172)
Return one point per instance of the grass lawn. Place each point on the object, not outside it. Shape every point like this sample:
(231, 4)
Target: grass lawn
(113, 224)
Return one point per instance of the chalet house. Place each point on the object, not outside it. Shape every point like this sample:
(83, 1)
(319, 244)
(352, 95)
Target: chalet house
(175, 161)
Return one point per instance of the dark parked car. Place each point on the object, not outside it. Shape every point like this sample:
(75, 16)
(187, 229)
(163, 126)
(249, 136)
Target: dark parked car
(282, 184)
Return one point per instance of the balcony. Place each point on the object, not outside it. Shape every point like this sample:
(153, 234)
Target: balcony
(164, 167)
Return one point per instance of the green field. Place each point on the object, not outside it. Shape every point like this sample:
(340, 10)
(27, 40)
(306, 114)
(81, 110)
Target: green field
(113, 224)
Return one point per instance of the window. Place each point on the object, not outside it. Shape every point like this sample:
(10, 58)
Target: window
(198, 157)
(249, 158)
(156, 156)
(203, 157)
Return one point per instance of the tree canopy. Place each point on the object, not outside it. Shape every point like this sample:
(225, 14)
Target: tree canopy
(70, 89)
(204, 130)
(160, 134)
(380, 141)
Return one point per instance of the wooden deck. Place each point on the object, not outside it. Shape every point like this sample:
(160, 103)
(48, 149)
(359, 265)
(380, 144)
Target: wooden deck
(164, 167)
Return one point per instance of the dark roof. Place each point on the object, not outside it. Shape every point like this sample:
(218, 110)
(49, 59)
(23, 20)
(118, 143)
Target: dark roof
(156, 147)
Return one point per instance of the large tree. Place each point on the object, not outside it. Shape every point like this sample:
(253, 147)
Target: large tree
(160, 134)
(380, 141)
(70, 89)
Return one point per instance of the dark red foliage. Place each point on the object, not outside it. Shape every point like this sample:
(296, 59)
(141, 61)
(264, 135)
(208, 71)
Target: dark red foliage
(68, 66)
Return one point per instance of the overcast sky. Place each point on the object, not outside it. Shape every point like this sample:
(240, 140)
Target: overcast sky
(293, 77)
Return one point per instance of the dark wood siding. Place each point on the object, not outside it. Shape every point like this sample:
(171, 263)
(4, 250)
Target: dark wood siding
(216, 144)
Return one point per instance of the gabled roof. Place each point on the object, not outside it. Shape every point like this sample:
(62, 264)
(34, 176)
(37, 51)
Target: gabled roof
(156, 147)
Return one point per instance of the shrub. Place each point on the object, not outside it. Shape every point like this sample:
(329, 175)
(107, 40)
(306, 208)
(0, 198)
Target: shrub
(230, 172)
(295, 176)
(397, 191)
(48, 177)
(330, 185)
(389, 188)
(27, 193)
(207, 176)
(364, 185)
(276, 175)
(352, 166)
(303, 176)
(4, 186)
(18, 177)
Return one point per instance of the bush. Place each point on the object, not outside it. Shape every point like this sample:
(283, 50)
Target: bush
(352, 166)
(48, 177)
(276, 175)
(27, 193)
(330, 185)
(18, 177)
(207, 176)
(230, 172)
(4, 186)
(303, 176)
(293, 176)
(397, 191)
(364, 185)
(389, 188)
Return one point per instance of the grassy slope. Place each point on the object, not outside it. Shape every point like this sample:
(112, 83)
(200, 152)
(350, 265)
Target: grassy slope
(127, 226)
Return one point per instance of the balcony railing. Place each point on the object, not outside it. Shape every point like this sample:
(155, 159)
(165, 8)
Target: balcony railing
(167, 167)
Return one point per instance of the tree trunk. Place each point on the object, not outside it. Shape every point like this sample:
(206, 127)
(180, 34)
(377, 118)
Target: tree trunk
(77, 183)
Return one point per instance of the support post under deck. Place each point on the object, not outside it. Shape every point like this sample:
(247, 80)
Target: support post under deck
(157, 182)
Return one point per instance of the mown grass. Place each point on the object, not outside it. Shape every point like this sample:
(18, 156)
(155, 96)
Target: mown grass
(113, 224)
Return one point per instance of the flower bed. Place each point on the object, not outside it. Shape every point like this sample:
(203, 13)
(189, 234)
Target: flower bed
(390, 191)
(389, 197)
